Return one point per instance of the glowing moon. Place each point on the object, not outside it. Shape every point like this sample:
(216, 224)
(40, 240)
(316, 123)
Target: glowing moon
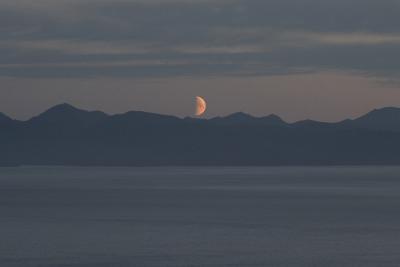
(201, 106)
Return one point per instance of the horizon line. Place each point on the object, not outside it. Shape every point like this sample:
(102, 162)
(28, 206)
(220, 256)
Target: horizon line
(192, 117)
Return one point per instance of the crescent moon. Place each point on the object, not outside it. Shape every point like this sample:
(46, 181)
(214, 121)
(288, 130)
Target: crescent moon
(201, 106)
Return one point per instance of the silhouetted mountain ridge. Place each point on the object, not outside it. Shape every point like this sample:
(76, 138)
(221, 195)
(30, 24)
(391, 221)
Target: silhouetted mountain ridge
(65, 113)
(385, 119)
(65, 135)
(244, 118)
(146, 117)
(4, 118)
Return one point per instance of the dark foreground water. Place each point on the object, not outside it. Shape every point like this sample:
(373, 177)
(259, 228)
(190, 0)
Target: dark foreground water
(111, 217)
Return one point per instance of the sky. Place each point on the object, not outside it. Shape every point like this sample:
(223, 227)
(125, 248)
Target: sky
(300, 59)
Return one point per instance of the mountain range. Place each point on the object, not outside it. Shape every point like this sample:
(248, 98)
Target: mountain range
(65, 135)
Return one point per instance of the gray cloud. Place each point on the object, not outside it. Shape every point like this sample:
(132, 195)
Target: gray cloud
(168, 38)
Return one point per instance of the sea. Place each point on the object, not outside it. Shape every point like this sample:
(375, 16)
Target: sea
(199, 216)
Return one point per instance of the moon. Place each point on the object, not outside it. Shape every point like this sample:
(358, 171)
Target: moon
(201, 106)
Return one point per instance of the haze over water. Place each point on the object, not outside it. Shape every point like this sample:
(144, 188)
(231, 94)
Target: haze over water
(298, 216)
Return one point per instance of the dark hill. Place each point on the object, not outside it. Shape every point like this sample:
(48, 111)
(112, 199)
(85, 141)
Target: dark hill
(4, 118)
(385, 119)
(65, 135)
(65, 114)
(243, 118)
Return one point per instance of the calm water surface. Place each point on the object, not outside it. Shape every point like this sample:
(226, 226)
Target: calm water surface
(111, 217)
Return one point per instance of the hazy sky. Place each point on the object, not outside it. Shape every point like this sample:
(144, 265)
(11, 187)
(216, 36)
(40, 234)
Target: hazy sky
(318, 59)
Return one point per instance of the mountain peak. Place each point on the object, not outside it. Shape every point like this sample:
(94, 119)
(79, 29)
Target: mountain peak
(4, 118)
(244, 118)
(65, 113)
(387, 118)
(273, 118)
(385, 110)
(61, 111)
(382, 112)
(239, 116)
(64, 107)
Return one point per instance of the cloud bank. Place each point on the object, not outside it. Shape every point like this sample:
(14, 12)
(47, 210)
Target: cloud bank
(138, 38)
